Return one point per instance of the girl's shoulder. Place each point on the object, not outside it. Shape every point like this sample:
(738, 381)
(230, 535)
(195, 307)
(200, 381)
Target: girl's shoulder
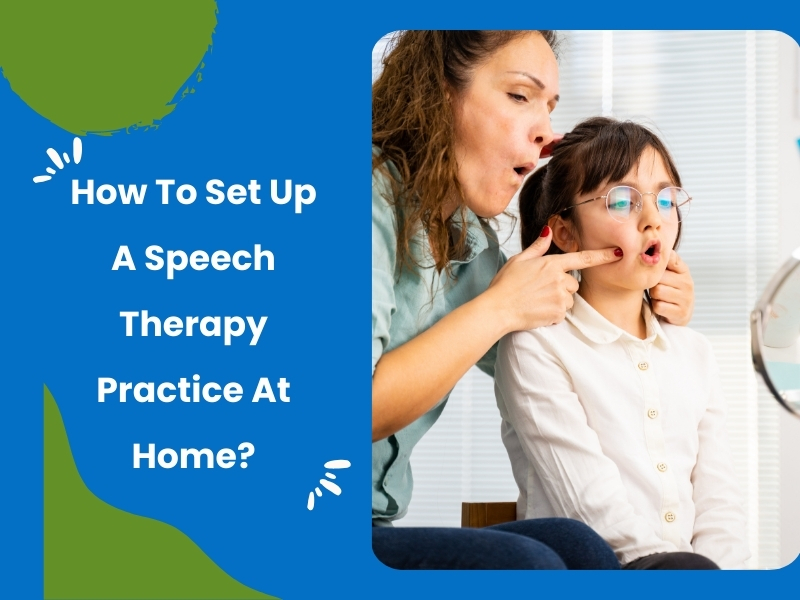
(545, 340)
(688, 342)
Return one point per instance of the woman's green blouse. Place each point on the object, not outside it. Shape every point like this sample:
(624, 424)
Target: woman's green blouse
(406, 302)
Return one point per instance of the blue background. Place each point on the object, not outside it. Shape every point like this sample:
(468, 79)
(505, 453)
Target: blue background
(285, 95)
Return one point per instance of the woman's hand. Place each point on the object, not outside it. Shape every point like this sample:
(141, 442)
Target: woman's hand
(532, 290)
(673, 297)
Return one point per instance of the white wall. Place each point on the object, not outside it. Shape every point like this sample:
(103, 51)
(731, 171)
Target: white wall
(789, 239)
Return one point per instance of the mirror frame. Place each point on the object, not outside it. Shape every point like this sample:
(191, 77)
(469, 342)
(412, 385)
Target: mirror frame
(756, 338)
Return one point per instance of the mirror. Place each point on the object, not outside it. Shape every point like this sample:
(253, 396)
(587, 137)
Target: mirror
(775, 339)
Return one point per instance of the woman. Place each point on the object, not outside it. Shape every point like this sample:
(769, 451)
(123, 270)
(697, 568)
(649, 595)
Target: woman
(459, 120)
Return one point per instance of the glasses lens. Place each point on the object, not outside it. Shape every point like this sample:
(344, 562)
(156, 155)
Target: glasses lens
(619, 201)
(673, 203)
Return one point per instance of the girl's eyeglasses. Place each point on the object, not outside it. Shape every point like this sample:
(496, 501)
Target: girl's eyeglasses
(672, 202)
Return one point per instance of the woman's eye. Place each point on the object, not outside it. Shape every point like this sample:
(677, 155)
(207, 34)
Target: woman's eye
(517, 97)
(619, 205)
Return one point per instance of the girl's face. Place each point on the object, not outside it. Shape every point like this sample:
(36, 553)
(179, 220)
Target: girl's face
(646, 239)
(502, 122)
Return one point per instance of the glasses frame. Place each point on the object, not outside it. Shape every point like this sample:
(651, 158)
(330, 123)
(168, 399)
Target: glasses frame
(638, 205)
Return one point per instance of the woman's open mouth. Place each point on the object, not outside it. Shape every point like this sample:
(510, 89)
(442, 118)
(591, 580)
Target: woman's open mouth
(523, 170)
(652, 253)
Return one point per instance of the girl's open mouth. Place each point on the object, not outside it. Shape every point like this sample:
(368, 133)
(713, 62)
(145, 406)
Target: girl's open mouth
(652, 253)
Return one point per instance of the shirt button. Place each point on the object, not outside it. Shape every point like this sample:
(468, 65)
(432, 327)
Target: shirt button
(652, 413)
(643, 366)
(669, 517)
(661, 467)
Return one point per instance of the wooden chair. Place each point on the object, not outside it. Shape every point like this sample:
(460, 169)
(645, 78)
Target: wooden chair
(483, 514)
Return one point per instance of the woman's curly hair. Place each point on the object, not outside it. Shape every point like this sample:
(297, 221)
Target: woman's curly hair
(412, 125)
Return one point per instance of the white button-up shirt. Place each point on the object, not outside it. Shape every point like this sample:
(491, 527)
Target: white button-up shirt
(626, 435)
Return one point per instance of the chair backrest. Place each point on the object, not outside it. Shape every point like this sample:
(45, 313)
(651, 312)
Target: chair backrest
(483, 514)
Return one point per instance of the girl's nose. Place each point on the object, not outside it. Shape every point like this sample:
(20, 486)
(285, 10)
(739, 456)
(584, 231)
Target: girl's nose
(649, 216)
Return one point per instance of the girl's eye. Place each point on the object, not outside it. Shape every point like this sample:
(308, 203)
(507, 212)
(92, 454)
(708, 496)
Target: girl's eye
(664, 203)
(619, 199)
(620, 204)
(517, 97)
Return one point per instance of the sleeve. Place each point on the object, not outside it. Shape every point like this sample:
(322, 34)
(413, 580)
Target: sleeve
(487, 361)
(720, 524)
(535, 395)
(384, 259)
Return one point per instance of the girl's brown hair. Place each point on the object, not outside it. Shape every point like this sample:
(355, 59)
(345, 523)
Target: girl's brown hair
(599, 150)
(412, 125)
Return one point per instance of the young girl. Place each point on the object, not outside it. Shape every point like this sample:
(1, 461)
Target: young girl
(612, 417)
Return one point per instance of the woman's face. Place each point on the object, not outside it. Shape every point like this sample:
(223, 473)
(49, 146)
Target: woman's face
(646, 238)
(502, 122)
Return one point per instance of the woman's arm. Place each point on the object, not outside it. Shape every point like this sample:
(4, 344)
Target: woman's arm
(411, 379)
(536, 397)
(530, 291)
(720, 525)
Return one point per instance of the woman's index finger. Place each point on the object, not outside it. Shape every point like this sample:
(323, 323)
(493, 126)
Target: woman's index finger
(586, 259)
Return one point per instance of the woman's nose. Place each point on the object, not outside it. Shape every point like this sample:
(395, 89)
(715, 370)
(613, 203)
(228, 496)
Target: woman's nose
(541, 132)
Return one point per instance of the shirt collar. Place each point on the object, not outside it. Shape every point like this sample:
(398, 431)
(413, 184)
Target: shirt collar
(602, 331)
(476, 241)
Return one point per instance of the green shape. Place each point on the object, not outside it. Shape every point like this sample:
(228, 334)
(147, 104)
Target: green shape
(94, 66)
(93, 550)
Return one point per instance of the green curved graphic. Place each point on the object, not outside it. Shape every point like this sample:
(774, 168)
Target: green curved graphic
(93, 550)
(93, 66)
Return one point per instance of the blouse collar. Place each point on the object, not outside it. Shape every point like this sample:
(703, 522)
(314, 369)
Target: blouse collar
(600, 330)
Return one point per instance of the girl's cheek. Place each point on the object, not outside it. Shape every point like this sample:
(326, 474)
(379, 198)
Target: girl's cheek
(624, 240)
(594, 236)
(670, 241)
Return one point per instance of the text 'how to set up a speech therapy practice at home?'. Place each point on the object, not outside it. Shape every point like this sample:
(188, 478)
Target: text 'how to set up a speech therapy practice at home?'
(168, 264)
